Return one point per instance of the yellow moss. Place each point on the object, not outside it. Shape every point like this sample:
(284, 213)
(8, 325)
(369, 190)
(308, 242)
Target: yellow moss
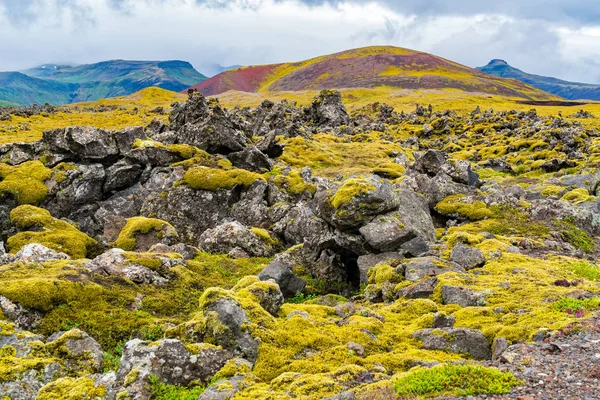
(455, 206)
(48, 231)
(351, 189)
(212, 179)
(265, 236)
(232, 368)
(25, 182)
(577, 196)
(141, 226)
(553, 190)
(382, 273)
(71, 389)
(293, 183)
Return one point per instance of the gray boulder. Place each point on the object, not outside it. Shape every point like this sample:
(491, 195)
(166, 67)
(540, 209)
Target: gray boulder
(418, 268)
(466, 256)
(225, 389)
(419, 290)
(462, 296)
(282, 273)
(233, 235)
(37, 253)
(251, 159)
(22, 317)
(170, 361)
(456, 340)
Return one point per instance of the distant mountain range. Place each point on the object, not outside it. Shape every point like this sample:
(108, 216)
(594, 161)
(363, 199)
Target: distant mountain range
(565, 89)
(368, 67)
(63, 84)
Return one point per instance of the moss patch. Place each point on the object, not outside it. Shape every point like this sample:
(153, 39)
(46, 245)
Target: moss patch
(25, 182)
(454, 380)
(203, 178)
(350, 189)
(53, 233)
(141, 226)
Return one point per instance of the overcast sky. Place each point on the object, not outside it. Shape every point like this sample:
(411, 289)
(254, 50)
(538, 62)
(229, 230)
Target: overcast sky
(550, 37)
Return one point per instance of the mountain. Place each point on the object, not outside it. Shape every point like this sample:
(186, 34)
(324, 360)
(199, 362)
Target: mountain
(565, 89)
(368, 67)
(19, 88)
(62, 84)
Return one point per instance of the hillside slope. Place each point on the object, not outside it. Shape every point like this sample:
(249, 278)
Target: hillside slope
(59, 85)
(369, 67)
(566, 89)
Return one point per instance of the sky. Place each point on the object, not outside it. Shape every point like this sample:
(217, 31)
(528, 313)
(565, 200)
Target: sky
(548, 37)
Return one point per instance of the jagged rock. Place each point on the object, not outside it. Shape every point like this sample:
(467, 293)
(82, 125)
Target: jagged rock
(113, 263)
(169, 361)
(121, 175)
(37, 253)
(206, 126)
(456, 340)
(356, 201)
(230, 235)
(499, 346)
(437, 188)
(415, 247)
(148, 153)
(22, 317)
(190, 211)
(327, 110)
(283, 275)
(82, 186)
(251, 159)
(418, 268)
(389, 231)
(300, 223)
(112, 214)
(86, 142)
(186, 251)
(555, 165)
(80, 351)
(462, 296)
(466, 256)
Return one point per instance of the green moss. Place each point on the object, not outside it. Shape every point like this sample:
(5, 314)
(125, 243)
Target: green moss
(25, 182)
(350, 189)
(53, 233)
(382, 273)
(455, 206)
(586, 270)
(454, 380)
(232, 368)
(212, 179)
(141, 226)
(71, 389)
(575, 236)
(162, 391)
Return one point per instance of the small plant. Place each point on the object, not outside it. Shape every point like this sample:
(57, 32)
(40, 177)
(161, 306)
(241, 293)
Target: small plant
(576, 307)
(455, 380)
(162, 391)
(300, 298)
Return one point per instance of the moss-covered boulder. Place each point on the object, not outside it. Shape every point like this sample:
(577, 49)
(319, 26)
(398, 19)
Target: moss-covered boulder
(356, 201)
(38, 226)
(141, 233)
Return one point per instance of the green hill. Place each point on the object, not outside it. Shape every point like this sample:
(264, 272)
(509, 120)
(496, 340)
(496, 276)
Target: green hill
(565, 89)
(58, 85)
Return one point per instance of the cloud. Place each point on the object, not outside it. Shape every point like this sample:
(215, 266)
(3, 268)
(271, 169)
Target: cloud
(549, 37)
